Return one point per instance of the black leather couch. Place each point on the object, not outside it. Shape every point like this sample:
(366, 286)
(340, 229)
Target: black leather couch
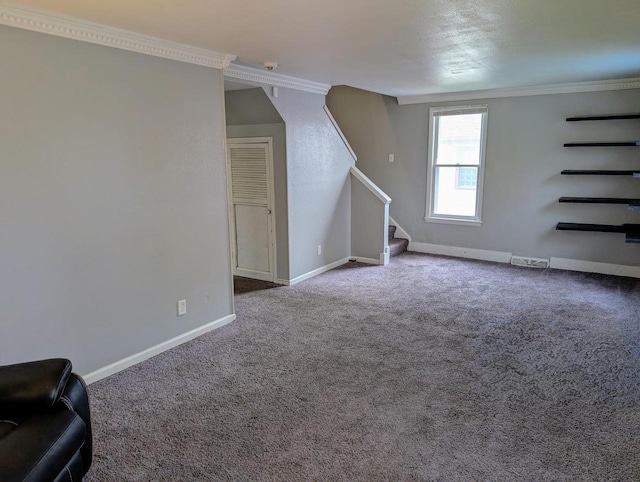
(45, 424)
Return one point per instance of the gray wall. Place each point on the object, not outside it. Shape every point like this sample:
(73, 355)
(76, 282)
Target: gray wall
(277, 132)
(113, 200)
(369, 222)
(249, 106)
(525, 155)
(318, 185)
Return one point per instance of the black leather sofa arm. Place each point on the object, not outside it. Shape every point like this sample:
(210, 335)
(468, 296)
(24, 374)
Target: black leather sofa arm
(34, 386)
(43, 446)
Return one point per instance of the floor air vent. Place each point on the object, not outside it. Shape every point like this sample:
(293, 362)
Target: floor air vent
(529, 262)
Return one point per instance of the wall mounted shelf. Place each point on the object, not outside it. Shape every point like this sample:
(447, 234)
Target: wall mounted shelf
(598, 200)
(631, 231)
(603, 117)
(599, 172)
(603, 144)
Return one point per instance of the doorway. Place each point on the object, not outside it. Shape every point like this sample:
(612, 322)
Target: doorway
(251, 206)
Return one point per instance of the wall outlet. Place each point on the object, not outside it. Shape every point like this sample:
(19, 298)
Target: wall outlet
(392, 158)
(319, 249)
(182, 307)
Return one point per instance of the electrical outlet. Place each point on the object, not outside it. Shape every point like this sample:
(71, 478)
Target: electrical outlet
(392, 158)
(182, 307)
(319, 249)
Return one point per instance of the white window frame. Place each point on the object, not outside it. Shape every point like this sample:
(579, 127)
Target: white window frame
(435, 112)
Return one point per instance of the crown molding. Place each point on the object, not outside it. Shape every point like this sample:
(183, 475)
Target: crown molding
(572, 88)
(259, 76)
(63, 26)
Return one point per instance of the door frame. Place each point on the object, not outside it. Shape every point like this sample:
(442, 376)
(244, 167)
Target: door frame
(270, 203)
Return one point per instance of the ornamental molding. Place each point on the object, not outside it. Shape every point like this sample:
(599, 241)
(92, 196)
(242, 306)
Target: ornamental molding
(572, 88)
(72, 28)
(251, 74)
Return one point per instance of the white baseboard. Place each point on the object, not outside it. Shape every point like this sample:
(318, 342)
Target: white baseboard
(593, 267)
(318, 271)
(384, 257)
(129, 361)
(401, 233)
(554, 263)
(481, 254)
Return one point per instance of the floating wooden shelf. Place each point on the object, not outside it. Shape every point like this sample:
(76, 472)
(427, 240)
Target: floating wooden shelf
(603, 144)
(603, 117)
(599, 172)
(599, 200)
(631, 231)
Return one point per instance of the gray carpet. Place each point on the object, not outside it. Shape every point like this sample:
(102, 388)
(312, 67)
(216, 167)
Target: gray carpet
(429, 368)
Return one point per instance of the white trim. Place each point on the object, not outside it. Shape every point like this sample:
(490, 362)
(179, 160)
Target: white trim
(384, 257)
(459, 222)
(458, 252)
(129, 361)
(369, 184)
(318, 271)
(593, 267)
(50, 23)
(399, 230)
(260, 76)
(502, 257)
(373, 261)
(434, 114)
(568, 88)
(340, 133)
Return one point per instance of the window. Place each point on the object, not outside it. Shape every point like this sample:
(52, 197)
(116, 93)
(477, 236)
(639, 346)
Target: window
(457, 137)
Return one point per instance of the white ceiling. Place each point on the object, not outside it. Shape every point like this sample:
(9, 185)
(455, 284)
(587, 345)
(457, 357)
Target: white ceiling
(396, 47)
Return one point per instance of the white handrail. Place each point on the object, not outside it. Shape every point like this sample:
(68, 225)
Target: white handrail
(370, 185)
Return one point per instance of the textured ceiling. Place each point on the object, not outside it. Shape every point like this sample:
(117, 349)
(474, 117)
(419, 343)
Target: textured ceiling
(396, 47)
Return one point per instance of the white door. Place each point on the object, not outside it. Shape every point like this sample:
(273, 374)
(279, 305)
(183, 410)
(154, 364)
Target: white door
(251, 207)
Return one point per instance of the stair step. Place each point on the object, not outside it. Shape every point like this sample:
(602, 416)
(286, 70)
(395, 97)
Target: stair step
(392, 231)
(397, 246)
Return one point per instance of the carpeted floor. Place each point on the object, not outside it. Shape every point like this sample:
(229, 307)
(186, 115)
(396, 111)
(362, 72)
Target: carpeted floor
(429, 368)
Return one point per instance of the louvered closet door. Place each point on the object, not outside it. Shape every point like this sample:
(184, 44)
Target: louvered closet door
(251, 195)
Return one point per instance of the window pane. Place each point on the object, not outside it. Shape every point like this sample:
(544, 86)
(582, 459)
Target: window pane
(459, 139)
(451, 200)
(466, 177)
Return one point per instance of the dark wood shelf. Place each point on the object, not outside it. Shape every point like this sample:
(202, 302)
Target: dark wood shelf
(603, 144)
(599, 172)
(601, 228)
(603, 117)
(631, 231)
(599, 200)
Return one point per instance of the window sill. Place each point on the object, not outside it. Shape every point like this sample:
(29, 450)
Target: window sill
(460, 222)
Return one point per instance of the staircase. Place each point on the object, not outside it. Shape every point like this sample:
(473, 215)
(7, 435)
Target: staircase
(396, 245)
